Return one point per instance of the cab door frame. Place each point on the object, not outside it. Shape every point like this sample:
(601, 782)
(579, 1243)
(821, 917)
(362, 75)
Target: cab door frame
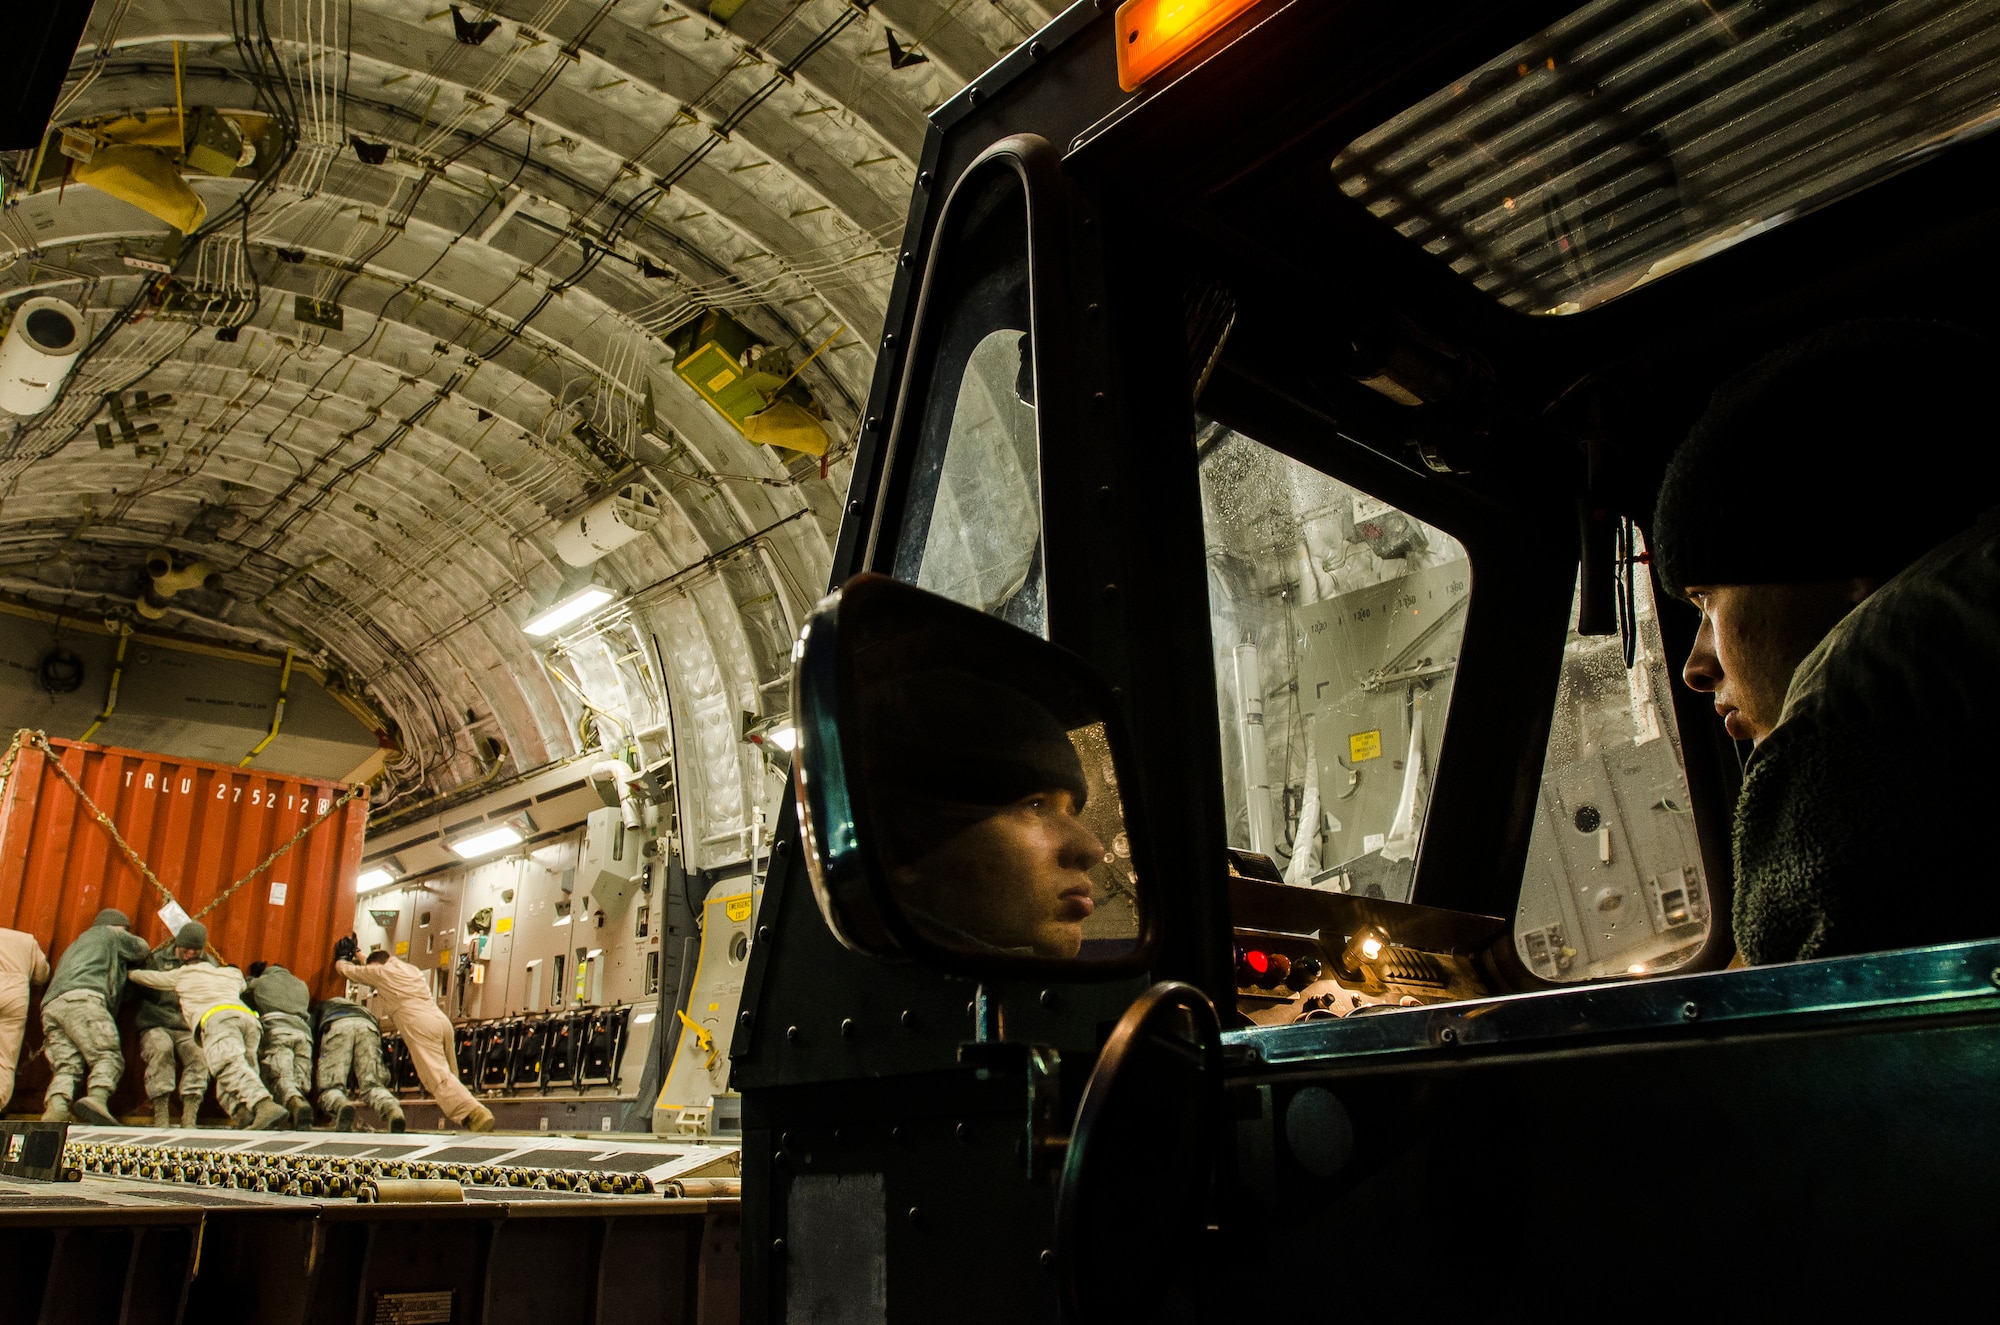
(848, 1067)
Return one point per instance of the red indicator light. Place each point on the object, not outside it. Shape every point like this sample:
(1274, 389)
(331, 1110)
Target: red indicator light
(1257, 962)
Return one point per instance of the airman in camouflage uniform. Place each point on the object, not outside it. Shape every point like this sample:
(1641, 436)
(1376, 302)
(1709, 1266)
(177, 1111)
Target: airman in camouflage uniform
(78, 1035)
(350, 1044)
(283, 1004)
(172, 1057)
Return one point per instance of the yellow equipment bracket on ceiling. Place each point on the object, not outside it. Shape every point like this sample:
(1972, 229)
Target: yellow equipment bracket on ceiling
(766, 408)
(146, 178)
(788, 425)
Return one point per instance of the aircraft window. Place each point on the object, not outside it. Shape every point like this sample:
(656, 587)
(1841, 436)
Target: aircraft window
(1336, 621)
(1614, 883)
(1636, 137)
(972, 514)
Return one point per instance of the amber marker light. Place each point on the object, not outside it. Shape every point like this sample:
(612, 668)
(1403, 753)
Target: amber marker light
(1152, 34)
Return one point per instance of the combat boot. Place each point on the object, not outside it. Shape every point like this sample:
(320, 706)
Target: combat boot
(480, 1119)
(163, 1111)
(190, 1111)
(239, 1117)
(56, 1109)
(395, 1118)
(269, 1116)
(95, 1108)
(343, 1116)
(302, 1113)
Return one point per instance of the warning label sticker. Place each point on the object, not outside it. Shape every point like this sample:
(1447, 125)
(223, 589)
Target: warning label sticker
(413, 1308)
(1364, 745)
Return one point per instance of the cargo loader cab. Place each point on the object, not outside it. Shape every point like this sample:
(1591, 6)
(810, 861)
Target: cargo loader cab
(1252, 501)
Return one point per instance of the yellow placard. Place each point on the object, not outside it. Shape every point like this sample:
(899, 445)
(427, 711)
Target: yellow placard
(403, 948)
(505, 925)
(721, 380)
(1364, 745)
(737, 908)
(444, 959)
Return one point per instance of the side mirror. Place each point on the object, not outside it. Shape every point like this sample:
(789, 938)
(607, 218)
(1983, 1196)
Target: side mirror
(961, 791)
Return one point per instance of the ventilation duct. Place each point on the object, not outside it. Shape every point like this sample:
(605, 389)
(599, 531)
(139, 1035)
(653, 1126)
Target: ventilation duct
(167, 580)
(38, 353)
(609, 523)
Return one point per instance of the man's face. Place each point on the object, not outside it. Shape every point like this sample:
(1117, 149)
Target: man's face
(1018, 878)
(187, 954)
(1753, 637)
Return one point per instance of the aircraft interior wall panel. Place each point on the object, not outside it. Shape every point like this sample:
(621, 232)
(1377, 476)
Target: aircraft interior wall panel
(522, 920)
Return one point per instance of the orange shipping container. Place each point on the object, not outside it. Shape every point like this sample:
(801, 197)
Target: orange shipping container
(200, 827)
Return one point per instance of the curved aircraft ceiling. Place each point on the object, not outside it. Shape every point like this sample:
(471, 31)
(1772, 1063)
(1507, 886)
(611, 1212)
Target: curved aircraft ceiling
(509, 204)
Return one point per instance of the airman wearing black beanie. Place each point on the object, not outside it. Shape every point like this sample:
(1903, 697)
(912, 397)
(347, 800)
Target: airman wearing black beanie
(1851, 452)
(1855, 466)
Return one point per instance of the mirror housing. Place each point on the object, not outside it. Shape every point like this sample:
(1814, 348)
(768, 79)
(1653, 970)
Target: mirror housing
(962, 792)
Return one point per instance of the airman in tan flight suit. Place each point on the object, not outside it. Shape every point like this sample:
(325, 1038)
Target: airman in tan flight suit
(22, 963)
(401, 991)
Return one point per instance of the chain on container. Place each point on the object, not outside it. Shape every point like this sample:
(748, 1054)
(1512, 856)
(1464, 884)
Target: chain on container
(40, 741)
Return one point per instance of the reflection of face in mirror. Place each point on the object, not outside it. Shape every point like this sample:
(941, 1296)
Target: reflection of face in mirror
(996, 838)
(1016, 878)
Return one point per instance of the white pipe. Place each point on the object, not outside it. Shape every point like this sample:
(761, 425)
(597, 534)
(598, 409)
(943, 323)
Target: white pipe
(38, 353)
(1256, 766)
(618, 773)
(1401, 841)
(1305, 845)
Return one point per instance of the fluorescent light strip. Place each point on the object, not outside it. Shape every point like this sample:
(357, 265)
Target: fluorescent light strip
(480, 844)
(571, 609)
(373, 881)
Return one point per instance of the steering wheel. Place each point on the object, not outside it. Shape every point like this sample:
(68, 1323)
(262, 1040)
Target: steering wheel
(1137, 1184)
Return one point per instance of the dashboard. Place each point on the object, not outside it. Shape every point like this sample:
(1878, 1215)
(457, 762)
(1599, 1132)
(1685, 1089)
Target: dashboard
(1307, 954)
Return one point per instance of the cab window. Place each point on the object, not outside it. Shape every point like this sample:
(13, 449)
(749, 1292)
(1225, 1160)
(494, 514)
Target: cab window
(1336, 621)
(971, 513)
(1614, 883)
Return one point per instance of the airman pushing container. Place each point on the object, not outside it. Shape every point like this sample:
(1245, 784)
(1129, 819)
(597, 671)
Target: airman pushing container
(211, 1002)
(350, 1047)
(283, 1005)
(173, 1060)
(79, 1036)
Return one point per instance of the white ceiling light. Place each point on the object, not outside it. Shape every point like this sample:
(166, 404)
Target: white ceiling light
(568, 609)
(373, 880)
(486, 841)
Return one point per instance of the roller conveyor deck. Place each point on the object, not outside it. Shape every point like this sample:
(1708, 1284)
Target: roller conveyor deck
(483, 1228)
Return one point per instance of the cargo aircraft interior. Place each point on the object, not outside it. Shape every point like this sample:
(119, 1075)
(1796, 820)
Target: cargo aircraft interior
(864, 661)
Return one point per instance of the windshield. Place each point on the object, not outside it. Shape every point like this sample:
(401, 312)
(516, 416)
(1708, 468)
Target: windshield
(1614, 883)
(1336, 621)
